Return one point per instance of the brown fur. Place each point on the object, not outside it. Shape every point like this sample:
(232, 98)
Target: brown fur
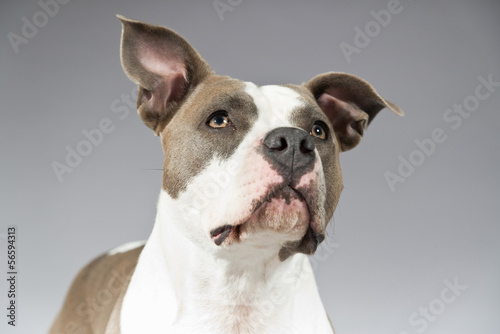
(184, 159)
(96, 294)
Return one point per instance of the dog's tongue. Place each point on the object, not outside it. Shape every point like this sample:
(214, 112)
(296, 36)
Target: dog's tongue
(221, 233)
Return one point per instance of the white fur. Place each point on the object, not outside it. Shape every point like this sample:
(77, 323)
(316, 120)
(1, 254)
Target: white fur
(126, 247)
(178, 287)
(184, 283)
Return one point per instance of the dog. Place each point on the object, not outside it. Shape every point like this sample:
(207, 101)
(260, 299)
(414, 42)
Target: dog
(251, 178)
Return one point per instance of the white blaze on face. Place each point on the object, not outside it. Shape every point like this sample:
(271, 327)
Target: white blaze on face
(275, 105)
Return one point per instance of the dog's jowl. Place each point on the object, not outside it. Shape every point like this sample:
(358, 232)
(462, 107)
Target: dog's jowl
(251, 178)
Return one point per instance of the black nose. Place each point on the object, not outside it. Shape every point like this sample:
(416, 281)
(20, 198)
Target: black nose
(290, 148)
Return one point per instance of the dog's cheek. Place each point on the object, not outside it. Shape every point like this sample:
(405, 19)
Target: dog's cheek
(332, 177)
(333, 189)
(249, 180)
(312, 186)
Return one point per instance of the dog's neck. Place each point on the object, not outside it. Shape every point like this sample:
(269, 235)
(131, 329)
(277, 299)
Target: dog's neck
(215, 292)
(237, 283)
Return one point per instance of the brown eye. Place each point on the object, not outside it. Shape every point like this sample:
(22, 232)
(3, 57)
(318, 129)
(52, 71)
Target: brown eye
(219, 120)
(318, 131)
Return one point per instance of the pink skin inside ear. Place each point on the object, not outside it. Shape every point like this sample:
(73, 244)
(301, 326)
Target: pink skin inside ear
(345, 118)
(175, 86)
(340, 113)
(172, 92)
(170, 67)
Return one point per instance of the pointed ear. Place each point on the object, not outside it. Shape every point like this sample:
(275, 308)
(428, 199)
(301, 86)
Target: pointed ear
(350, 103)
(165, 67)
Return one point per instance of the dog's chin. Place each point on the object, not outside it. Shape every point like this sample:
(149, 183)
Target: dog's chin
(283, 217)
(280, 219)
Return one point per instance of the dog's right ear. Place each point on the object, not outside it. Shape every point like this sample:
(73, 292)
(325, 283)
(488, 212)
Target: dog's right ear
(164, 65)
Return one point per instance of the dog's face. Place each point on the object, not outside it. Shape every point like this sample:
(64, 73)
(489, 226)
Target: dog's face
(249, 164)
(246, 167)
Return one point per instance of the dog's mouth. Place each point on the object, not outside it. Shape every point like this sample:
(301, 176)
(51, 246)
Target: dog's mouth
(220, 234)
(284, 209)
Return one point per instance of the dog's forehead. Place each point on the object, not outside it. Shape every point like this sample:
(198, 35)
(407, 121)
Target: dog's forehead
(276, 103)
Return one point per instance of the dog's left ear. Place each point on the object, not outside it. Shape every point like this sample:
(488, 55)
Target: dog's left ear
(350, 103)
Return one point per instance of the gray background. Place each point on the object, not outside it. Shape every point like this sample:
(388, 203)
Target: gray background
(390, 251)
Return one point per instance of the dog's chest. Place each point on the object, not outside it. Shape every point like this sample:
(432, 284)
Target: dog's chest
(218, 300)
(242, 315)
(235, 305)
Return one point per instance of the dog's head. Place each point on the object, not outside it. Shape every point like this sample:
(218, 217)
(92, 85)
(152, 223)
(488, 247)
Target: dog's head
(246, 167)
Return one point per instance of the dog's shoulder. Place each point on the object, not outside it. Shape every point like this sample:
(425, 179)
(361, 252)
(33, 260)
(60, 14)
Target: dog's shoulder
(96, 290)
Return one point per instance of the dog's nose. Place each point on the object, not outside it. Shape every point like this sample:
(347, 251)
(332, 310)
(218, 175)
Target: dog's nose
(290, 148)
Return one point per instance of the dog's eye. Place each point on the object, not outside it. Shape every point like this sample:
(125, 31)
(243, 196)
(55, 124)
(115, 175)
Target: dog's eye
(219, 120)
(318, 130)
